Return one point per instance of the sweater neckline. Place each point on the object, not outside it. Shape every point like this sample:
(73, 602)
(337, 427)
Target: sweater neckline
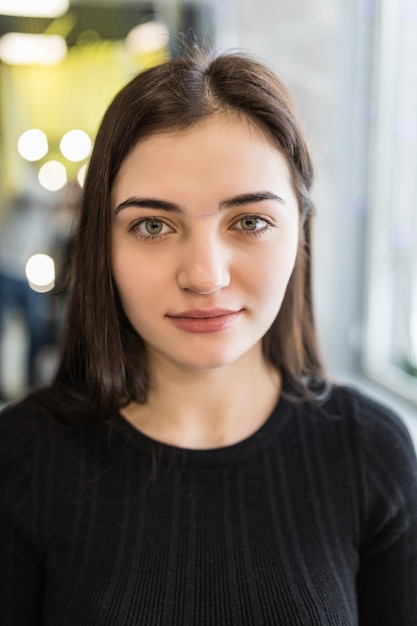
(224, 455)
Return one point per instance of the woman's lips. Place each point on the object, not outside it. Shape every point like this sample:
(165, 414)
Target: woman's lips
(200, 321)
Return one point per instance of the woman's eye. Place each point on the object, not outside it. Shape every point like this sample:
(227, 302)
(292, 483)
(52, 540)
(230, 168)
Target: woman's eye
(251, 223)
(151, 226)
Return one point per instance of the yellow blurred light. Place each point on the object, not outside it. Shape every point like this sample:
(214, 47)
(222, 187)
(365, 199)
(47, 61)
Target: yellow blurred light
(40, 272)
(75, 145)
(53, 176)
(147, 37)
(81, 174)
(31, 8)
(32, 144)
(26, 49)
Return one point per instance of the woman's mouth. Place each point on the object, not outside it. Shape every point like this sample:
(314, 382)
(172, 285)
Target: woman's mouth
(204, 321)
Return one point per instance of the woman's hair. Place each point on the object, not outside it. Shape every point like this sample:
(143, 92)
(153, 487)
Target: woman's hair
(104, 360)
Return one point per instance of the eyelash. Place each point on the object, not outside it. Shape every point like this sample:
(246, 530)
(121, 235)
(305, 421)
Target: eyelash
(134, 228)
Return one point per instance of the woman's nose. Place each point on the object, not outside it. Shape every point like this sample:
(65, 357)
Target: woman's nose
(204, 266)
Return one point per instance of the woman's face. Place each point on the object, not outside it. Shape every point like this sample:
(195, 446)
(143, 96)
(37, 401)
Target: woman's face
(204, 240)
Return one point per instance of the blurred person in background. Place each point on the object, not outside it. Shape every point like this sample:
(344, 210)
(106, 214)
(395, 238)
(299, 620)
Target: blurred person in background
(192, 463)
(25, 230)
(31, 226)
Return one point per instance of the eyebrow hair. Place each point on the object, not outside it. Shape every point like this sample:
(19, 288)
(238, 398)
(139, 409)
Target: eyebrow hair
(164, 205)
(250, 198)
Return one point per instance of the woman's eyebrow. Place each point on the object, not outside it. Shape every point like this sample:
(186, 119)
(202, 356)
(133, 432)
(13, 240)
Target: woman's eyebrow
(164, 205)
(148, 203)
(250, 198)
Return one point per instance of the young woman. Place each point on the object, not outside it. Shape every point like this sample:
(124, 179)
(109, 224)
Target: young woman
(191, 464)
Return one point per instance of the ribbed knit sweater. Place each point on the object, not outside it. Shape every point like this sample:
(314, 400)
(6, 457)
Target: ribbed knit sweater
(312, 520)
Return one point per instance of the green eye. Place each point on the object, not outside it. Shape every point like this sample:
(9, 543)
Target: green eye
(249, 223)
(150, 228)
(153, 226)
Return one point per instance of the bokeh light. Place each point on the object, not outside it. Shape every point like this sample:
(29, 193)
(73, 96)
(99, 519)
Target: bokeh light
(32, 144)
(75, 145)
(40, 272)
(53, 176)
(31, 49)
(29, 8)
(147, 37)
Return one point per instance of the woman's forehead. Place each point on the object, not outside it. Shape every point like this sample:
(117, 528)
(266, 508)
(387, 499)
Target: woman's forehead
(209, 164)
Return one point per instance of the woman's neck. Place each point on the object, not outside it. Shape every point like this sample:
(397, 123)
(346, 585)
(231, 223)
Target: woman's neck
(207, 408)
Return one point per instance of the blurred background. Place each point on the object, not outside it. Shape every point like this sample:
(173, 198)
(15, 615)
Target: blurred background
(351, 68)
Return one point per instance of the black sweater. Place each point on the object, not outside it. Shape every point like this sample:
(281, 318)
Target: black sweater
(310, 521)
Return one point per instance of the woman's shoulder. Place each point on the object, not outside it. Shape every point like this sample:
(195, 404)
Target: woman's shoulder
(27, 415)
(368, 412)
(21, 424)
(31, 428)
(19, 419)
(376, 428)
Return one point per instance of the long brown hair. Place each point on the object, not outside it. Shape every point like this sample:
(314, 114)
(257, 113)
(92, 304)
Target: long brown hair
(104, 360)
